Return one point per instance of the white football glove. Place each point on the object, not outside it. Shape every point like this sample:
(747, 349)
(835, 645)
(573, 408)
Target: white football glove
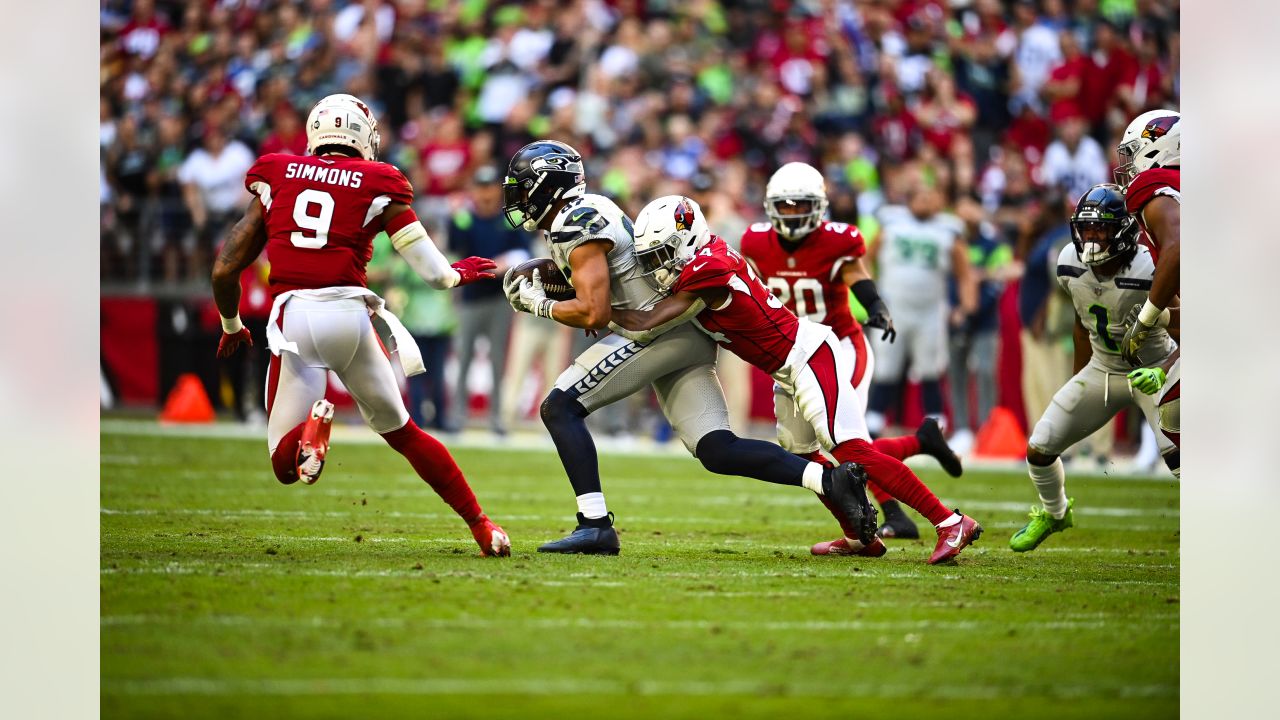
(526, 296)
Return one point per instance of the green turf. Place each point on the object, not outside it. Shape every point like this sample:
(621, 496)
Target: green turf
(225, 594)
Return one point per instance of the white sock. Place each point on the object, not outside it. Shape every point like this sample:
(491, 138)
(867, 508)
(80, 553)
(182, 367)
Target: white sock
(1051, 483)
(592, 506)
(955, 518)
(812, 477)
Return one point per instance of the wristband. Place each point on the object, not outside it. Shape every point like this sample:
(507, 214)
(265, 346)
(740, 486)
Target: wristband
(232, 325)
(543, 308)
(865, 291)
(1151, 315)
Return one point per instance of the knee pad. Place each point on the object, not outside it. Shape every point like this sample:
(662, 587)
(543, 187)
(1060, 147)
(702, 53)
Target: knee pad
(1042, 440)
(1170, 421)
(560, 407)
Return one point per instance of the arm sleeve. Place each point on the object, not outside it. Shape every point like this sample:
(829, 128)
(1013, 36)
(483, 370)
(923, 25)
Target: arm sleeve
(415, 246)
(704, 273)
(394, 185)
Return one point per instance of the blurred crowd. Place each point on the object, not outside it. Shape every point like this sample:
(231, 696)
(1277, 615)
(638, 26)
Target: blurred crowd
(1010, 108)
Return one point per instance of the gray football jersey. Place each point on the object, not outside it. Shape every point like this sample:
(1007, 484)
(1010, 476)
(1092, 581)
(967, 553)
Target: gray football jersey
(1102, 305)
(914, 259)
(594, 217)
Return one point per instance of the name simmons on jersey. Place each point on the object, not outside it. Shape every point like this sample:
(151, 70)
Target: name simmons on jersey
(317, 173)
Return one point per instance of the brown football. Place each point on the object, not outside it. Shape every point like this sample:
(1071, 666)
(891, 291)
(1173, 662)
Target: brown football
(553, 281)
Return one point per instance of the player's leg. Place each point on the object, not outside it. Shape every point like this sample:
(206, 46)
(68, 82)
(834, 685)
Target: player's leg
(1168, 403)
(694, 404)
(292, 392)
(825, 396)
(795, 435)
(349, 345)
(1076, 411)
(887, 373)
(1169, 451)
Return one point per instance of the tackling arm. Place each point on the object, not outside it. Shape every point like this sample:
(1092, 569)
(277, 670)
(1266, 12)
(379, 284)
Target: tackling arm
(669, 308)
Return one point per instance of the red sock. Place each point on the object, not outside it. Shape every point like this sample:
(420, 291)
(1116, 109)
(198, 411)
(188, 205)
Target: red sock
(899, 447)
(895, 477)
(845, 525)
(818, 457)
(881, 496)
(433, 463)
(284, 461)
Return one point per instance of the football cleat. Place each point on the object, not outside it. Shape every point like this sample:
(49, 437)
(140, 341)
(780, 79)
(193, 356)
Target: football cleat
(954, 538)
(846, 486)
(492, 539)
(315, 442)
(591, 537)
(844, 546)
(897, 524)
(933, 444)
(1040, 526)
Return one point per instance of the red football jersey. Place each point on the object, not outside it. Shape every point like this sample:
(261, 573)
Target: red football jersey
(320, 214)
(753, 324)
(806, 277)
(1144, 189)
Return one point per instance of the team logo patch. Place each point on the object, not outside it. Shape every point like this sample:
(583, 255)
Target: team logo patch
(684, 215)
(1159, 127)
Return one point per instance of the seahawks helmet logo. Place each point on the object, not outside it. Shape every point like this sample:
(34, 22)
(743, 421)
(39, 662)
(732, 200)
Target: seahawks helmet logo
(560, 163)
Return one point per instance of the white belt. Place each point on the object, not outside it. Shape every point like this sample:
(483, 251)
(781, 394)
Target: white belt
(394, 335)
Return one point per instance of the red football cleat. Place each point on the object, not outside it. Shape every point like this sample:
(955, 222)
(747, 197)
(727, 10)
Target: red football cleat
(315, 442)
(843, 547)
(954, 538)
(493, 540)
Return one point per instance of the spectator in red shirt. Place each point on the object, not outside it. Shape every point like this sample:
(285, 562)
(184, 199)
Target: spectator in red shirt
(1149, 85)
(1111, 64)
(945, 115)
(1062, 91)
(287, 134)
(141, 36)
(896, 132)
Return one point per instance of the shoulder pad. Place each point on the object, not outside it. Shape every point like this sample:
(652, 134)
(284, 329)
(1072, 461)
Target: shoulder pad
(577, 220)
(1069, 263)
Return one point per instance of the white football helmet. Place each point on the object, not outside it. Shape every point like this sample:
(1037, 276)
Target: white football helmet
(343, 120)
(669, 231)
(1153, 139)
(800, 188)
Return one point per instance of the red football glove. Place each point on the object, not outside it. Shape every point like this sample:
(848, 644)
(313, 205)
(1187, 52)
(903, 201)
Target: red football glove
(473, 268)
(231, 342)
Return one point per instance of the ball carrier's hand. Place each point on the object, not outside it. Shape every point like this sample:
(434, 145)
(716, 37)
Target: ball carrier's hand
(527, 295)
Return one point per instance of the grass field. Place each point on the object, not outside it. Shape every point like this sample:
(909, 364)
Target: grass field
(225, 594)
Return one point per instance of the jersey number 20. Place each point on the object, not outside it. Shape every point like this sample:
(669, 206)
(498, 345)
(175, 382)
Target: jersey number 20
(785, 290)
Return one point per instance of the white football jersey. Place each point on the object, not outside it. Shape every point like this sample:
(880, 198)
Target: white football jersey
(914, 258)
(594, 217)
(1102, 305)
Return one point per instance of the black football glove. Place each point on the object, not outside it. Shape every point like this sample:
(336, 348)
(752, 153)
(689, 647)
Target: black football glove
(877, 312)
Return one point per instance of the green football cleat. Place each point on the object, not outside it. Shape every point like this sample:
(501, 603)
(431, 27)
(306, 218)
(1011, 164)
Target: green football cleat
(1041, 526)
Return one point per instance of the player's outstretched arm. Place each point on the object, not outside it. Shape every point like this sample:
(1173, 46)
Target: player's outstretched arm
(244, 243)
(1163, 217)
(855, 275)
(668, 309)
(413, 243)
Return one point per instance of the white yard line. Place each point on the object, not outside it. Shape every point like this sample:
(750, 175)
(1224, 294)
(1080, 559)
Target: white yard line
(605, 687)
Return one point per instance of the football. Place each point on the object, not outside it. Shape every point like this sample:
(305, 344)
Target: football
(553, 281)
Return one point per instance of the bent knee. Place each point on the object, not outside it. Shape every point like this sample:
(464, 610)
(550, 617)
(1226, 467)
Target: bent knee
(560, 407)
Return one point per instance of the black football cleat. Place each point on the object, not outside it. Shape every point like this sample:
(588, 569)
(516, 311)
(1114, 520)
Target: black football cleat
(897, 525)
(591, 537)
(933, 444)
(846, 485)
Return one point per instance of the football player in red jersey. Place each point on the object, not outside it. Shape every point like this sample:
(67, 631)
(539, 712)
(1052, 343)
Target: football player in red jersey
(1150, 173)
(316, 216)
(811, 264)
(677, 251)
